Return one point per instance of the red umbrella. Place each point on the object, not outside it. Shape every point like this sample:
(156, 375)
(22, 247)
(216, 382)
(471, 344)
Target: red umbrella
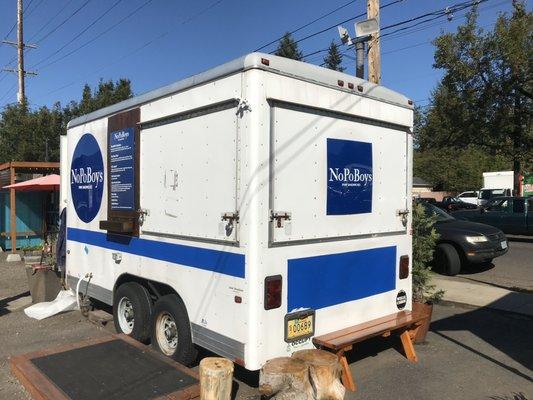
(44, 183)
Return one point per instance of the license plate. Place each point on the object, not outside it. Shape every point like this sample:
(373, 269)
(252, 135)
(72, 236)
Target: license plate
(299, 325)
(504, 244)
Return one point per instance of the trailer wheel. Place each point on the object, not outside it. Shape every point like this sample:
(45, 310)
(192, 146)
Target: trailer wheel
(132, 311)
(171, 330)
(448, 259)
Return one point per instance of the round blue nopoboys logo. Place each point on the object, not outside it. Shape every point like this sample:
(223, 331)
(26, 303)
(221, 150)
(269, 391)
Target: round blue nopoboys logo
(87, 178)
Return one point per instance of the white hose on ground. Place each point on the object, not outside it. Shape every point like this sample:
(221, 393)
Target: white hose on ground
(87, 275)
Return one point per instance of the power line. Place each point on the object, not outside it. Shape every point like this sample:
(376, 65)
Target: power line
(342, 22)
(34, 8)
(115, 25)
(50, 20)
(97, 19)
(148, 43)
(307, 24)
(435, 14)
(445, 12)
(15, 24)
(63, 22)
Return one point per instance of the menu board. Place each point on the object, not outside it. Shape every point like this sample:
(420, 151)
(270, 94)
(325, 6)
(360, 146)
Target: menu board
(121, 171)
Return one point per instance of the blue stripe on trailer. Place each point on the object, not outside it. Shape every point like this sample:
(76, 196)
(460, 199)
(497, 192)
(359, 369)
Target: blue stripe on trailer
(222, 262)
(323, 281)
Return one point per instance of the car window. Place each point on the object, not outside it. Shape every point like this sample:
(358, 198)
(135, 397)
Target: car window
(530, 204)
(441, 215)
(468, 194)
(499, 205)
(485, 194)
(518, 206)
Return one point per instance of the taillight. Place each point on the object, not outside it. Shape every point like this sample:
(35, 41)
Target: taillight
(273, 292)
(404, 267)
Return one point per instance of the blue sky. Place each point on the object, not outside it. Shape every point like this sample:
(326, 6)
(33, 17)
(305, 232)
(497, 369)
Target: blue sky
(170, 39)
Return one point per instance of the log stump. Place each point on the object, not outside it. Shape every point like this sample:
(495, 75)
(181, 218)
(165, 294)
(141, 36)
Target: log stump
(216, 378)
(324, 373)
(285, 378)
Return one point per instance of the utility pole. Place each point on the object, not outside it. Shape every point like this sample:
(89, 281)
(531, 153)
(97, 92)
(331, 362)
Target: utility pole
(374, 53)
(21, 96)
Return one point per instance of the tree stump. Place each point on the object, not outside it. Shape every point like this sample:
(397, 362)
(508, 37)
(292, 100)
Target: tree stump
(215, 378)
(324, 373)
(286, 378)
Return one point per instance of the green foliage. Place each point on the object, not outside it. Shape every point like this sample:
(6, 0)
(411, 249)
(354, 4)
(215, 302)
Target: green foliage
(484, 99)
(456, 170)
(424, 241)
(33, 135)
(333, 59)
(288, 48)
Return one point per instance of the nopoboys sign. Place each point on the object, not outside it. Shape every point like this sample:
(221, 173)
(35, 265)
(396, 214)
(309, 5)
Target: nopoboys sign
(349, 177)
(87, 178)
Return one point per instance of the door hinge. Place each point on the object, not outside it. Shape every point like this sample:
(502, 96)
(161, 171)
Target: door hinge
(143, 213)
(279, 216)
(403, 214)
(242, 107)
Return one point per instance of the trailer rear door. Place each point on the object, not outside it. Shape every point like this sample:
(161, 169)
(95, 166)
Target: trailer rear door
(189, 174)
(334, 175)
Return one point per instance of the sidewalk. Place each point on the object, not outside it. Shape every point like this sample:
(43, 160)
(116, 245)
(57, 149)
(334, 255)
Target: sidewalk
(459, 290)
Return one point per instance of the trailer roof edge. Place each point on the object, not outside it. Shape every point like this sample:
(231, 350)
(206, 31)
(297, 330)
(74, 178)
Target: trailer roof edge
(280, 65)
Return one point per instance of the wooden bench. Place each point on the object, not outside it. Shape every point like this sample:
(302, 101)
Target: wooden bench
(405, 322)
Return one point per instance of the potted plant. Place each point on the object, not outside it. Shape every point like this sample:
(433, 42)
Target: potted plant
(424, 241)
(32, 254)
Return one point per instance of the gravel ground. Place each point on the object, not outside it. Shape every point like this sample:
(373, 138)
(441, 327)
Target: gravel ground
(20, 334)
(470, 354)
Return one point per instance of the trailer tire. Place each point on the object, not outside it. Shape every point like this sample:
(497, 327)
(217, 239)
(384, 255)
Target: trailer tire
(133, 298)
(171, 330)
(448, 259)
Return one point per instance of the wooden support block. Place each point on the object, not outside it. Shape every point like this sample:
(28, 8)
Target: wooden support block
(324, 373)
(408, 347)
(286, 378)
(216, 378)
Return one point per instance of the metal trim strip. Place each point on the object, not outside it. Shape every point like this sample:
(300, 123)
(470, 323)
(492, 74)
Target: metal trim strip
(98, 292)
(337, 114)
(217, 343)
(189, 114)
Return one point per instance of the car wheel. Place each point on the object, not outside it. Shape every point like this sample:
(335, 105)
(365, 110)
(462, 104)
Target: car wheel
(132, 311)
(448, 259)
(171, 330)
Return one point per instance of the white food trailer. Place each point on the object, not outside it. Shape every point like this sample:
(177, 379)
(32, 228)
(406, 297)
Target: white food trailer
(245, 209)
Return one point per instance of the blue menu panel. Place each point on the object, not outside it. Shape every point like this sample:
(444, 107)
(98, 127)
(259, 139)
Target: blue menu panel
(122, 172)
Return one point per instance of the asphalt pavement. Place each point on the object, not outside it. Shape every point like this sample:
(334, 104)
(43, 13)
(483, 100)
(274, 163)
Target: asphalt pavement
(471, 353)
(513, 271)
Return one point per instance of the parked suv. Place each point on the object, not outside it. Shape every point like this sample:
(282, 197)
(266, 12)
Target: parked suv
(462, 242)
(469, 197)
(486, 195)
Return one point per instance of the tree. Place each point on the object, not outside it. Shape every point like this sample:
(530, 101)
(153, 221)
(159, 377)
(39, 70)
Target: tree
(288, 48)
(456, 170)
(33, 135)
(424, 242)
(333, 59)
(484, 98)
